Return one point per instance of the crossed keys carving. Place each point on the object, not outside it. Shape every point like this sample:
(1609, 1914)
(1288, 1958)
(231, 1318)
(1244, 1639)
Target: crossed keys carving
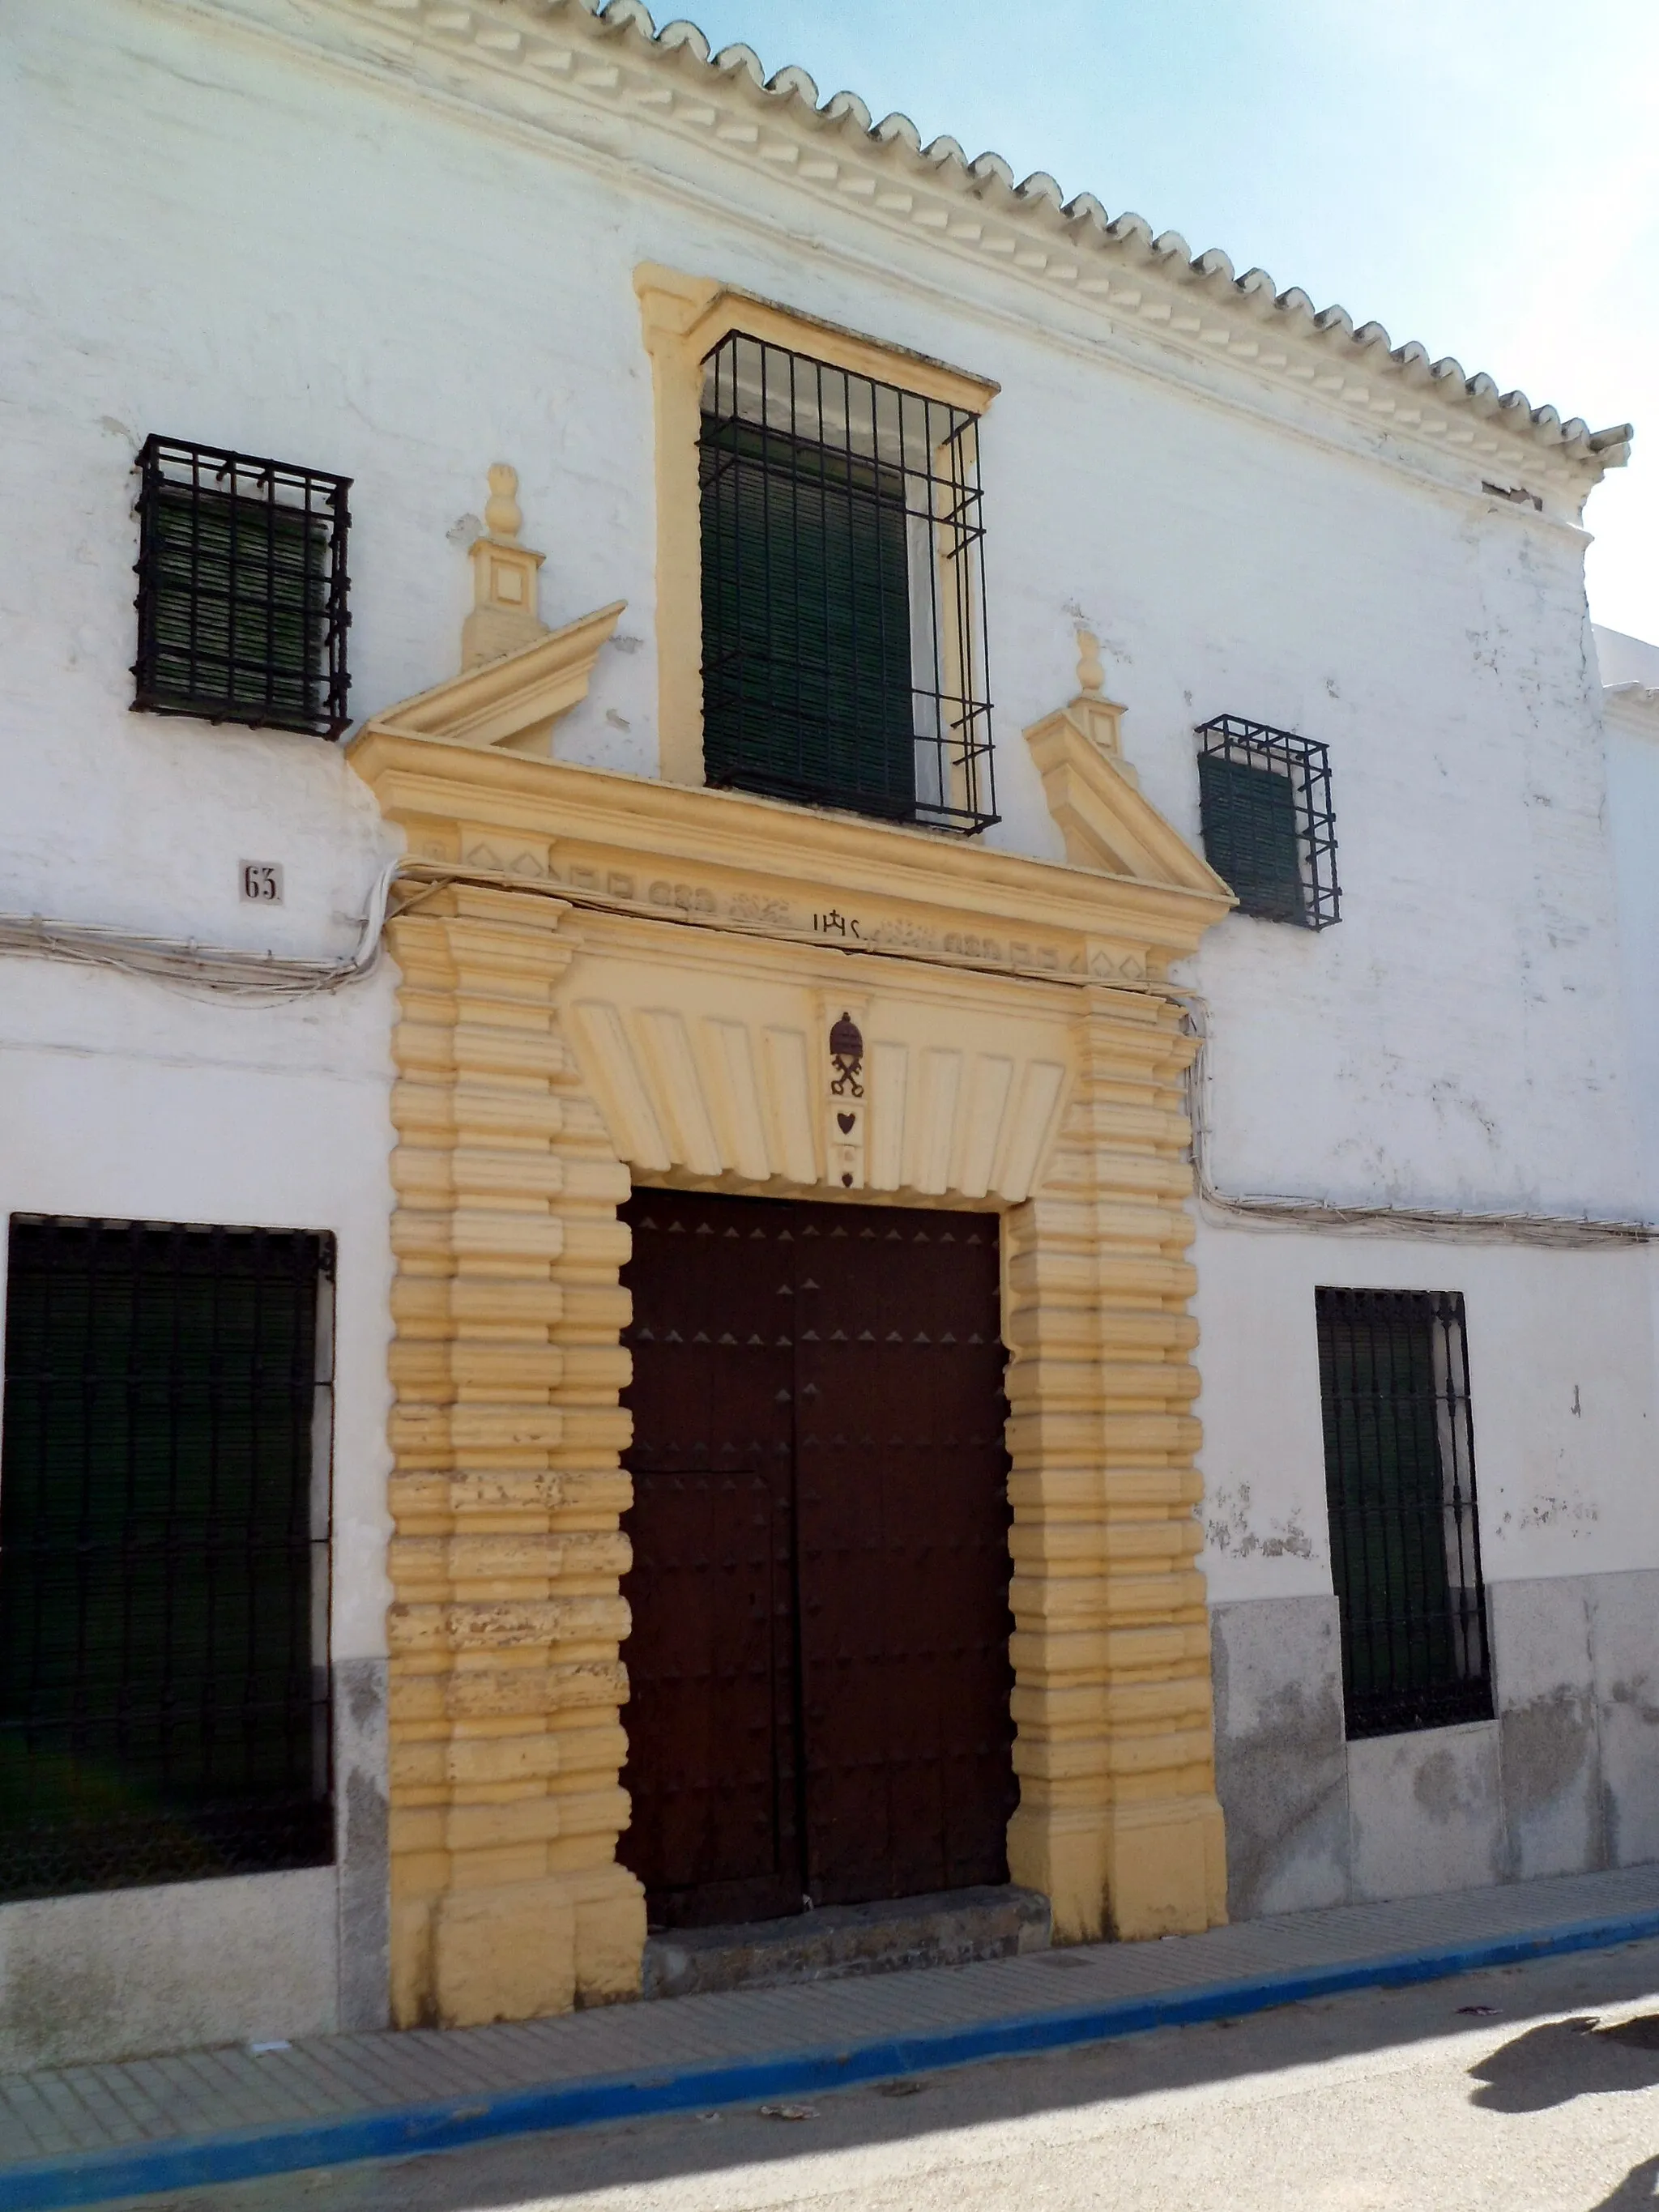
(847, 1057)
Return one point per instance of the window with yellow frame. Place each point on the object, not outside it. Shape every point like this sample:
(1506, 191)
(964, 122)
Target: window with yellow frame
(837, 542)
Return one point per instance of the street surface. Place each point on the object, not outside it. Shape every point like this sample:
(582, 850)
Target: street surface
(1396, 2098)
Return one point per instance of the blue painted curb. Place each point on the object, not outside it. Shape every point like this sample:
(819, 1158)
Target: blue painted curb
(147, 2169)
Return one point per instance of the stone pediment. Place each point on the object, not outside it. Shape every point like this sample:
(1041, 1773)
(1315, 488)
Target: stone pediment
(760, 867)
(464, 768)
(517, 676)
(1094, 797)
(716, 937)
(511, 703)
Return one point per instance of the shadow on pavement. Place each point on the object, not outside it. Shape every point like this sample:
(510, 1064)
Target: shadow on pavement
(1639, 2187)
(1562, 2059)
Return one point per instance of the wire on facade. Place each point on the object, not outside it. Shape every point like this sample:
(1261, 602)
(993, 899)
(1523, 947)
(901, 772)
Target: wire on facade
(213, 970)
(249, 978)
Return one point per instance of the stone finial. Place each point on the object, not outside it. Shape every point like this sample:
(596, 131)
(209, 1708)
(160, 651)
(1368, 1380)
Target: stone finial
(1099, 718)
(504, 618)
(503, 516)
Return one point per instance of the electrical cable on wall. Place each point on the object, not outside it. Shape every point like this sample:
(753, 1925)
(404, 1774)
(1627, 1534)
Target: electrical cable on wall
(213, 971)
(1562, 1232)
(220, 973)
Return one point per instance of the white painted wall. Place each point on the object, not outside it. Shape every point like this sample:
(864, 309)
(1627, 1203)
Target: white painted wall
(1631, 730)
(126, 1974)
(1632, 719)
(1560, 1355)
(125, 1099)
(343, 271)
(404, 293)
(212, 234)
(119, 1097)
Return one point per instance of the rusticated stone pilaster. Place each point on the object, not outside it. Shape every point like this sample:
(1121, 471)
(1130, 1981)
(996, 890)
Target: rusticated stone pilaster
(1118, 1819)
(507, 1492)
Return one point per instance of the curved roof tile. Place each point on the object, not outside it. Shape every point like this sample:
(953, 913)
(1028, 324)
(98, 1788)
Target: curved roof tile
(1211, 269)
(1082, 220)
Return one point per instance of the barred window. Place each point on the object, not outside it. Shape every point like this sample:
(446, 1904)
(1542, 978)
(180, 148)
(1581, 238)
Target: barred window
(1269, 833)
(164, 1523)
(843, 595)
(241, 589)
(1400, 1482)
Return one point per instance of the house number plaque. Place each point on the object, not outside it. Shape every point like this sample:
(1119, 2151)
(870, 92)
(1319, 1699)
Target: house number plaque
(262, 882)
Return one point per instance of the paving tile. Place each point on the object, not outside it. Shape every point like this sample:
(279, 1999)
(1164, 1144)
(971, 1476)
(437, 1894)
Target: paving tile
(36, 2120)
(70, 2111)
(193, 2093)
(347, 2079)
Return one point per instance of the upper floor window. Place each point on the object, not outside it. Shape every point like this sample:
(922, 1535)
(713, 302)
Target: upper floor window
(843, 595)
(241, 589)
(1265, 802)
(1394, 1381)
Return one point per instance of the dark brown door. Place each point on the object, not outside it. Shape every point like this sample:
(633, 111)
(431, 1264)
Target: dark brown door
(818, 1666)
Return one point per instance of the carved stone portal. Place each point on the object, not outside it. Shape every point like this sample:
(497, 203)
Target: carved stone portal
(607, 981)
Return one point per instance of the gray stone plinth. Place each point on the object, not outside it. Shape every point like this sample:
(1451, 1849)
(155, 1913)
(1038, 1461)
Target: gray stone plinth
(950, 1929)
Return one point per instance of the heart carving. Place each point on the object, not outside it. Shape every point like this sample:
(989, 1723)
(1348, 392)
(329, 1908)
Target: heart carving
(845, 1122)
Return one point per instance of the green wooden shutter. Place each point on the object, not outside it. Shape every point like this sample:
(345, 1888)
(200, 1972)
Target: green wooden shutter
(240, 604)
(806, 622)
(1250, 837)
(1386, 1492)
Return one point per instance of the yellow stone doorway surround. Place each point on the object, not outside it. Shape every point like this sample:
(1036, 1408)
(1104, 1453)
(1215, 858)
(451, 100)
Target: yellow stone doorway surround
(606, 979)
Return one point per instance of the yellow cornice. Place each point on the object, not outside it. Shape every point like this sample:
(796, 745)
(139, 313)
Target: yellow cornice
(697, 853)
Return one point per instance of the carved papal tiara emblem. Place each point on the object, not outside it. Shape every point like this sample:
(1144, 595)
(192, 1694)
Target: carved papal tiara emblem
(847, 1055)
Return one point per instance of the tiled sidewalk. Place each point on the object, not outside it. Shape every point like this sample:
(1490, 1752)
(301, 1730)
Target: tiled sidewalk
(96, 2128)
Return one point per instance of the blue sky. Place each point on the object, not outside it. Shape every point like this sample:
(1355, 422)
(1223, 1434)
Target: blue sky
(1483, 178)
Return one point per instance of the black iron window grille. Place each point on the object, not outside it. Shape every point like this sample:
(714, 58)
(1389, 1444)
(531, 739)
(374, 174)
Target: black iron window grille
(164, 1555)
(241, 589)
(1264, 803)
(1400, 1482)
(843, 591)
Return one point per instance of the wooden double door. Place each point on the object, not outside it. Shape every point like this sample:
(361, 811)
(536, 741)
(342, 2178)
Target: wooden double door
(818, 1670)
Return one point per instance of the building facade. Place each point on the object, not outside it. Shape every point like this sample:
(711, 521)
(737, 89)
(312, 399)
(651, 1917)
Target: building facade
(608, 1317)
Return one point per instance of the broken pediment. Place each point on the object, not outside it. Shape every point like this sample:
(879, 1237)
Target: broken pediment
(517, 676)
(511, 704)
(1094, 797)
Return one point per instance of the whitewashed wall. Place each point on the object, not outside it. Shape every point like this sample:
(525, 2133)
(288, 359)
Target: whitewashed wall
(1561, 1385)
(1561, 1348)
(341, 272)
(124, 1097)
(212, 235)
(121, 1098)
(1629, 669)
